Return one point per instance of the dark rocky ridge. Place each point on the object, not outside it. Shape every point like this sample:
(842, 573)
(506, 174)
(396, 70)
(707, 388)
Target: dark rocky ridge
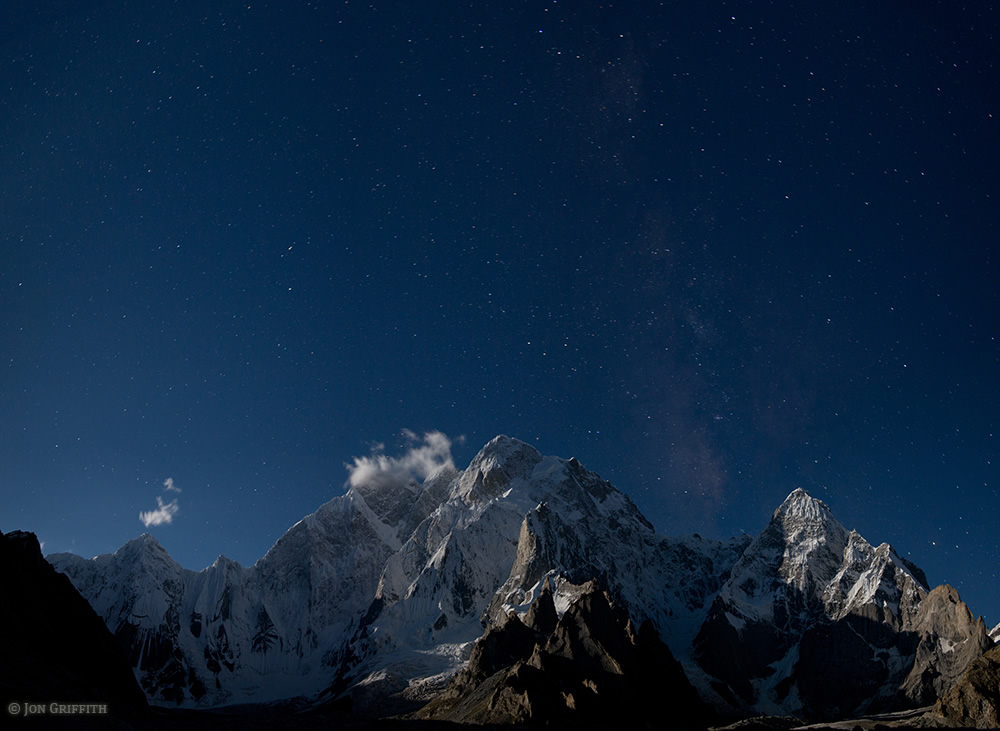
(591, 666)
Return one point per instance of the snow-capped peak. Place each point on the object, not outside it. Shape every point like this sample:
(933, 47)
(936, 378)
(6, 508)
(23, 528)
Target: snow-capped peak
(502, 445)
(144, 550)
(805, 542)
(498, 463)
(507, 454)
(223, 562)
(145, 541)
(801, 505)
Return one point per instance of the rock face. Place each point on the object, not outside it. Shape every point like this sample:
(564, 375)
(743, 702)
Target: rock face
(974, 701)
(587, 666)
(949, 639)
(668, 581)
(55, 648)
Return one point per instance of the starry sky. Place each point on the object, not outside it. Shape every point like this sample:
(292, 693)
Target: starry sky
(714, 250)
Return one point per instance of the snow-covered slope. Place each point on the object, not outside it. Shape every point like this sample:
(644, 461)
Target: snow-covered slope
(231, 634)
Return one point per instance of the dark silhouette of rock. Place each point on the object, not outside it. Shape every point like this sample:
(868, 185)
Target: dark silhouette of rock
(55, 648)
(500, 647)
(848, 667)
(594, 667)
(541, 616)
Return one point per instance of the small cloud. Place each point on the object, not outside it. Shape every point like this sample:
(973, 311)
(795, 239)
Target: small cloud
(164, 513)
(168, 485)
(425, 455)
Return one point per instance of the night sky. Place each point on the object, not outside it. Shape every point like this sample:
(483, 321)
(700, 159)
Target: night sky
(715, 251)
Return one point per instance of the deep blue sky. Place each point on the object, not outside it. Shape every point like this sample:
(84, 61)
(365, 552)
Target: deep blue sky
(714, 250)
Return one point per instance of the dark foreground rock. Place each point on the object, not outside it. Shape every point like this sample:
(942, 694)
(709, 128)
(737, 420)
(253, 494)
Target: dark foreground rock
(593, 667)
(55, 648)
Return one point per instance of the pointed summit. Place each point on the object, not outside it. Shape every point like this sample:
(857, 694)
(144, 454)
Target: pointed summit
(542, 616)
(809, 540)
(801, 548)
(502, 459)
(144, 545)
(800, 504)
(501, 449)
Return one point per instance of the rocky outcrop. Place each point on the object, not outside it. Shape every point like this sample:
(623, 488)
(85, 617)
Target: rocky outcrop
(590, 667)
(974, 701)
(669, 581)
(55, 647)
(949, 639)
(868, 662)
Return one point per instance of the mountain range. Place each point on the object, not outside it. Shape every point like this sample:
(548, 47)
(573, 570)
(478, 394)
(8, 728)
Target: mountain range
(381, 594)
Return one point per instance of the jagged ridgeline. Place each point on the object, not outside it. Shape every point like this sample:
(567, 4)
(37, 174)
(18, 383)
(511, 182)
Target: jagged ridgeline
(381, 594)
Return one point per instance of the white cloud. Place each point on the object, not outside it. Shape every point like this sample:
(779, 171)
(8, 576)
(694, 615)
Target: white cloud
(427, 454)
(168, 485)
(164, 513)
